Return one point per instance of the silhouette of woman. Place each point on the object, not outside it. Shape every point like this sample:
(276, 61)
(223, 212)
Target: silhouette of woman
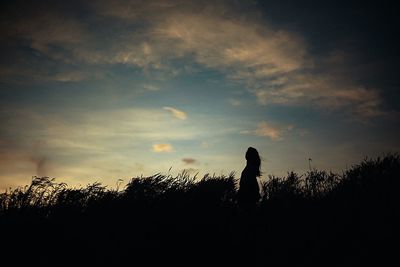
(249, 191)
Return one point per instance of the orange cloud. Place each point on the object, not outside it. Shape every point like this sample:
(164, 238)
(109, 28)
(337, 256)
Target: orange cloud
(160, 148)
(265, 129)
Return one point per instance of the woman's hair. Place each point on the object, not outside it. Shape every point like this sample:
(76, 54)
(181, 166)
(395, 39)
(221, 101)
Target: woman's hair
(253, 159)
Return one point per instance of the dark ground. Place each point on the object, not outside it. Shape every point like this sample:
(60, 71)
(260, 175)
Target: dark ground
(318, 219)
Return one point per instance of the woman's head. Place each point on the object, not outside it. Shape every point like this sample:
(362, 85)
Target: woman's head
(253, 159)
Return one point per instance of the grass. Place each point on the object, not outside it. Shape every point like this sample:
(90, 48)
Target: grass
(317, 218)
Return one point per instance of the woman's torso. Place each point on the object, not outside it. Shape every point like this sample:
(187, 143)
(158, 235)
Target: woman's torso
(248, 180)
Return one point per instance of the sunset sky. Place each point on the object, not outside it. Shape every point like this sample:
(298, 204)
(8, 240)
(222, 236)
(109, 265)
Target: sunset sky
(107, 90)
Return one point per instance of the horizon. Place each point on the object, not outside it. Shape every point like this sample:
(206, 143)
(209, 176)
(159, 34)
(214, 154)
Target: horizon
(105, 91)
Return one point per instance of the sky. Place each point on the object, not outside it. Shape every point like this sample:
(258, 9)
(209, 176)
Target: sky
(107, 90)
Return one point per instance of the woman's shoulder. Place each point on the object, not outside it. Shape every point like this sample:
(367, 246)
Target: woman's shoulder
(248, 171)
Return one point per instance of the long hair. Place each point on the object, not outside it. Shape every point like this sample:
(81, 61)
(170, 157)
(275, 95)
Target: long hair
(254, 160)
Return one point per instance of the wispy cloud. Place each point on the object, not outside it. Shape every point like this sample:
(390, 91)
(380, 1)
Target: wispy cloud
(179, 114)
(274, 65)
(150, 87)
(159, 148)
(265, 129)
(234, 102)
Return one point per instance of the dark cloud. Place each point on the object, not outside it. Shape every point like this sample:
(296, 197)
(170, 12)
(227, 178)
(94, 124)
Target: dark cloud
(189, 161)
(366, 33)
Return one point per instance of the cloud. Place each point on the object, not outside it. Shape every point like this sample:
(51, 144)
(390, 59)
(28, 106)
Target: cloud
(160, 148)
(50, 32)
(179, 114)
(150, 87)
(189, 161)
(134, 9)
(322, 91)
(53, 142)
(273, 64)
(102, 145)
(265, 129)
(234, 102)
(237, 45)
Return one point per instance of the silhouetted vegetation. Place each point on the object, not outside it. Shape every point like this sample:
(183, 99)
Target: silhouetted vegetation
(315, 219)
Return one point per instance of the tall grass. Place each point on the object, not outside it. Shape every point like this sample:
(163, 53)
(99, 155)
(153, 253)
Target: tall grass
(313, 219)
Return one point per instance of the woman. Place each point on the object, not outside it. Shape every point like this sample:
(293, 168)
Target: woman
(249, 191)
